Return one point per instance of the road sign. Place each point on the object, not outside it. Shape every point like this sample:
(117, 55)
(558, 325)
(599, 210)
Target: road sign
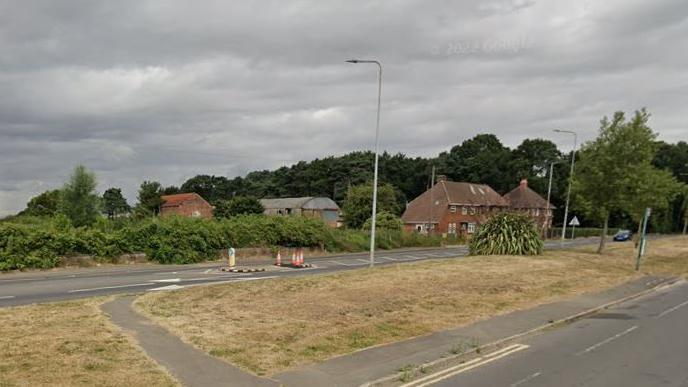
(574, 222)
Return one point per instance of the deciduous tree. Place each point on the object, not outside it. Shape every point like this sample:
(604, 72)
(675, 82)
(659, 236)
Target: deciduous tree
(78, 200)
(114, 203)
(358, 204)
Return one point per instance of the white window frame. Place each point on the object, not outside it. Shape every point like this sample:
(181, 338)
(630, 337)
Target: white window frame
(471, 228)
(472, 210)
(452, 208)
(464, 210)
(451, 228)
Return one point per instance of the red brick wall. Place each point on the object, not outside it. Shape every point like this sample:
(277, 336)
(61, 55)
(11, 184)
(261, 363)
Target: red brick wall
(190, 208)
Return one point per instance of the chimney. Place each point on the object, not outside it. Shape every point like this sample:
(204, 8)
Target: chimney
(441, 178)
(524, 183)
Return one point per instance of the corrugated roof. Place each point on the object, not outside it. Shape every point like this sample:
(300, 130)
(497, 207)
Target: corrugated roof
(177, 199)
(524, 197)
(445, 193)
(309, 202)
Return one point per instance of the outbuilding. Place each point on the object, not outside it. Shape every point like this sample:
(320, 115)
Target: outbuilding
(190, 205)
(313, 207)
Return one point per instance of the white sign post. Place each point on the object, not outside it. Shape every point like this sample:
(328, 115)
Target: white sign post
(574, 222)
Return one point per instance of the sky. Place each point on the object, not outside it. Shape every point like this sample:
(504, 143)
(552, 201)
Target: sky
(159, 90)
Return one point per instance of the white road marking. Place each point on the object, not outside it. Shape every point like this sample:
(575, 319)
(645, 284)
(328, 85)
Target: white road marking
(672, 309)
(608, 340)
(477, 362)
(526, 379)
(6, 297)
(388, 258)
(208, 271)
(168, 287)
(346, 264)
(166, 272)
(108, 287)
(168, 280)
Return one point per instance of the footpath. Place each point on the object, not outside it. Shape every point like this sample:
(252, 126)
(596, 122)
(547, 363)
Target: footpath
(375, 365)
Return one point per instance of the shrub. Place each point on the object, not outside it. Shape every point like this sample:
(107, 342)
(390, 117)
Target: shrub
(385, 221)
(506, 234)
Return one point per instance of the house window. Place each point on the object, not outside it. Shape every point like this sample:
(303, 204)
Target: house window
(472, 210)
(471, 228)
(451, 228)
(452, 208)
(464, 211)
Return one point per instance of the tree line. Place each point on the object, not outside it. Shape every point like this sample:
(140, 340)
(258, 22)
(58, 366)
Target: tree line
(628, 149)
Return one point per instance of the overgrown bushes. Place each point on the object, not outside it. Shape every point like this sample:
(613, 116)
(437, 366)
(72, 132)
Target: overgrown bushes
(41, 242)
(506, 234)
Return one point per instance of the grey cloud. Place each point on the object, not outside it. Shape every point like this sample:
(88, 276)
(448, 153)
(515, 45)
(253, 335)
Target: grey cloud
(157, 90)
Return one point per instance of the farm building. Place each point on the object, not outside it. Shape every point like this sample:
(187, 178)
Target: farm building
(190, 205)
(314, 207)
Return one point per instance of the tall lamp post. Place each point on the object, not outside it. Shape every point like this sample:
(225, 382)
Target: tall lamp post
(568, 193)
(377, 140)
(549, 195)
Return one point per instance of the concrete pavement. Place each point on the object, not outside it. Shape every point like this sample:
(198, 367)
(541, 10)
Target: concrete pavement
(190, 366)
(382, 363)
(642, 342)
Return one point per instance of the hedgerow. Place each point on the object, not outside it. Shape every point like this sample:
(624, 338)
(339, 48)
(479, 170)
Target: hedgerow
(42, 242)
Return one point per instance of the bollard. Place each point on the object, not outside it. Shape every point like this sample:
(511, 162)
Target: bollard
(293, 258)
(300, 257)
(278, 261)
(231, 257)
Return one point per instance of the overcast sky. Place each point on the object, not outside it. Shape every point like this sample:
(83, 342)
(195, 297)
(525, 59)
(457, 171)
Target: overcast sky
(160, 90)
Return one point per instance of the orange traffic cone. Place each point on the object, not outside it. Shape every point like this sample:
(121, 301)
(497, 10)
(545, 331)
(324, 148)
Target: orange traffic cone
(300, 257)
(278, 261)
(293, 258)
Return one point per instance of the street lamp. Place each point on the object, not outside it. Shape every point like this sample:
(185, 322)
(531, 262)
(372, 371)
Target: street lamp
(568, 193)
(549, 192)
(377, 140)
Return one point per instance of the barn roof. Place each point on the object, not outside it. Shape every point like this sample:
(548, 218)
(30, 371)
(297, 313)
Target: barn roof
(308, 202)
(523, 197)
(177, 199)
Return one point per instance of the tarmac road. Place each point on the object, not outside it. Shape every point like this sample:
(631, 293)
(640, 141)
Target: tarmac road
(35, 287)
(643, 342)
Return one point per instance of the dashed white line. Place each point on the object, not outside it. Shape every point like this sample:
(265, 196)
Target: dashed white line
(526, 379)
(672, 309)
(6, 297)
(608, 340)
(347, 264)
(109, 287)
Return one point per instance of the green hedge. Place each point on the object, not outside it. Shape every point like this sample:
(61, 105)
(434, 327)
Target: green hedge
(41, 243)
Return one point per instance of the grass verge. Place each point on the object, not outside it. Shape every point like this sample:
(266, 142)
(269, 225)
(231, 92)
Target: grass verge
(270, 326)
(70, 343)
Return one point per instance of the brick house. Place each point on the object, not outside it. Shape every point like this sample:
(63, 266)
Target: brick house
(190, 205)
(524, 200)
(452, 208)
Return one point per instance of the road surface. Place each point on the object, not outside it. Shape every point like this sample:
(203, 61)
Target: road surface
(638, 343)
(34, 287)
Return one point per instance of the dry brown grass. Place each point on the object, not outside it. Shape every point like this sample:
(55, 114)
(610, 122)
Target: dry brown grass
(269, 326)
(70, 344)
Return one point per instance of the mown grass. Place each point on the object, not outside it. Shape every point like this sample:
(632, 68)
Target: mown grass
(70, 344)
(270, 326)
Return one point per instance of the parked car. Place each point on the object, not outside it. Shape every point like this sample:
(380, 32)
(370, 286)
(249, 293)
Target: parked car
(623, 235)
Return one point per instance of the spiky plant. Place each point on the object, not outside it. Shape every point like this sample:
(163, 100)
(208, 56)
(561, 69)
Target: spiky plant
(506, 234)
